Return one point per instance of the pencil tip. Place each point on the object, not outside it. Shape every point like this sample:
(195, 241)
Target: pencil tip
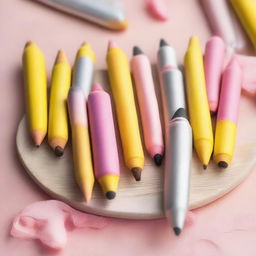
(177, 231)
(37, 137)
(61, 57)
(194, 41)
(97, 87)
(223, 164)
(58, 151)
(28, 43)
(110, 195)
(136, 172)
(87, 196)
(163, 43)
(137, 51)
(111, 44)
(205, 166)
(158, 159)
(84, 44)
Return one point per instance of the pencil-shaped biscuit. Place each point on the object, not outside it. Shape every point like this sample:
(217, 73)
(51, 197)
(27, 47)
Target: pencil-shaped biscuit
(58, 118)
(35, 91)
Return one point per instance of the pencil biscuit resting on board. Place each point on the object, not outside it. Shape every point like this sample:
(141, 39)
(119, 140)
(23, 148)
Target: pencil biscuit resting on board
(199, 113)
(122, 90)
(105, 154)
(58, 118)
(35, 91)
(213, 66)
(77, 98)
(81, 147)
(225, 134)
(178, 138)
(151, 123)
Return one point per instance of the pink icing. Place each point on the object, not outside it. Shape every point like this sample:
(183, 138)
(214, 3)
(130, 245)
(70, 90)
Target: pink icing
(77, 107)
(103, 135)
(213, 64)
(49, 221)
(148, 104)
(158, 9)
(230, 92)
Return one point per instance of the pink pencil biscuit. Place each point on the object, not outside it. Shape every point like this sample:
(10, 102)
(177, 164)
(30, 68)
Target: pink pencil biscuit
(81, 141)
(149, 110)
(105, 154)
(225, 134)
(213, 65)
(230, 92)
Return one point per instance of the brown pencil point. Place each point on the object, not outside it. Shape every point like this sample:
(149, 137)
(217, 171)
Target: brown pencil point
(28, 43)
(61, 57)
(205, 166)
(136, 172)
(37, 137)
(222, 164)
(59, 151)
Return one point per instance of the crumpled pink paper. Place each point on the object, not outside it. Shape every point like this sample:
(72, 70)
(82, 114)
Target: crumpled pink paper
(49, 222)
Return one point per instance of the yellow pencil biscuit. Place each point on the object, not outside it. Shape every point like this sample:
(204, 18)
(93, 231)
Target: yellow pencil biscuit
(199, 113)
(35, 91)
(58, 119)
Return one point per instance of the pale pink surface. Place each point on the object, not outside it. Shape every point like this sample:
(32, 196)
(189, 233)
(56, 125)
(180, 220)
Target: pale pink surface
(158, 9)
(213, 65)
(103, 137)
(248, 65)
(230, 94)
(49, 221)
(148, 105)
(226, 226)
(77, 107)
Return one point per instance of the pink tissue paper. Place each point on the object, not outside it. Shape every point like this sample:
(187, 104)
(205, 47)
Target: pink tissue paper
(49, 221)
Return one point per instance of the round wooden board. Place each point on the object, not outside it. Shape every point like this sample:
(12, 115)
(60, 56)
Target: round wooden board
(139, 200)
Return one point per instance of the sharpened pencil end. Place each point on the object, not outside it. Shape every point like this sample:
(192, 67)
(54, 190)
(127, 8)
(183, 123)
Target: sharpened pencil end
(222, 164)
(136, 172)
(37, 137)
(59, 151)
(177, 231)
(163, 43)
(110, 195)
(158, 159)
(28, 43)
(84, 44)
(137, 51)
(205, 166)
(61, 57)
(112, 44)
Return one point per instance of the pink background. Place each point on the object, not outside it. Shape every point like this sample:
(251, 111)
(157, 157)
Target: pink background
(225, 227)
